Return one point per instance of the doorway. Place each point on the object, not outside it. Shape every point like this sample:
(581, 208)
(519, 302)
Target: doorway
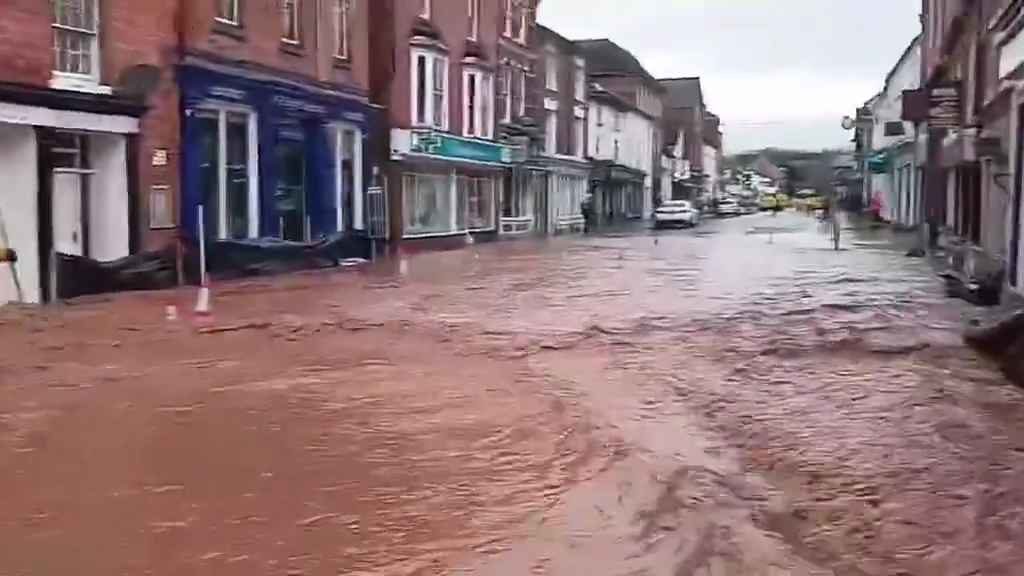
(290, 194)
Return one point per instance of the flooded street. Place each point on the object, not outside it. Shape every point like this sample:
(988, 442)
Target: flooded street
(733, 400)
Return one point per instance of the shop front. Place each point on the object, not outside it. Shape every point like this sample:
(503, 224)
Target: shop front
(449, 186)
(267, 158)
(618, 193)
(66, 162)
(565, 193)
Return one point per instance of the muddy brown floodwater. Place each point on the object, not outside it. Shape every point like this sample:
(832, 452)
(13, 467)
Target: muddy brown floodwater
(736, 400)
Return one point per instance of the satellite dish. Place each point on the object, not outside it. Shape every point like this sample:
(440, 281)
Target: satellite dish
(847, 123)
(138, 81)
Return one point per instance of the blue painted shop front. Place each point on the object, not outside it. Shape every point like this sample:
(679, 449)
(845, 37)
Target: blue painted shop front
(271, 159)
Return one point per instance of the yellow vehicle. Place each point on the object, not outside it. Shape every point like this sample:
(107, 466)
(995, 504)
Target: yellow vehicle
(814, 203)
(783, 201)
(769, 202)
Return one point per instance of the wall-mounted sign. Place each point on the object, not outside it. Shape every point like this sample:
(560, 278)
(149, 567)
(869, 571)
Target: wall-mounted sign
(438, 144)
(160, 157)
(944, 106)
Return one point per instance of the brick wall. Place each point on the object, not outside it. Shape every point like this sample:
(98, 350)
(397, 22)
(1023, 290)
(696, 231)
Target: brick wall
(257, 39)
(26, 43)
(144, 32)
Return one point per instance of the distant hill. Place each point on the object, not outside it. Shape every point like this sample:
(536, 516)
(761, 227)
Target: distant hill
(806, 169)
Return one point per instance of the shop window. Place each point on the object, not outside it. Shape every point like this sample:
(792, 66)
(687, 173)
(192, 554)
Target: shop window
(349, 193)
(291, 21)
(227, 172)
(228, 12)
(516, 200)
(430, 89)
(475, 204)
(76, 39)
(428, 204)
(476, 104)
(342, 15)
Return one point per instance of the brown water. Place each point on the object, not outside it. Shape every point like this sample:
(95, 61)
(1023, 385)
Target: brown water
(735, 400)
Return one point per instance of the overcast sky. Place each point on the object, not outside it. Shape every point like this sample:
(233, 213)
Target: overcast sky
(779, 72)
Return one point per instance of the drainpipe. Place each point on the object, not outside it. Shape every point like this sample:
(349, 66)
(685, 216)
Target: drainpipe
(318, 57)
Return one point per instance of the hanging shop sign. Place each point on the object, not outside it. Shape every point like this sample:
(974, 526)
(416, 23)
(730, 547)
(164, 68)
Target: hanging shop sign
(944, 106)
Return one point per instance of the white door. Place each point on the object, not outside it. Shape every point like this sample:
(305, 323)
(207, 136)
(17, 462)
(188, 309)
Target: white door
(67, 212)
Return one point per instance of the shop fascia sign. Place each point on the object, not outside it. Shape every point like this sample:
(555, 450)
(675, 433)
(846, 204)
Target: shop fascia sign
(448, 146)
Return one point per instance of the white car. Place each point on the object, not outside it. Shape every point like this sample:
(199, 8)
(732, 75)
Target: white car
(729, 207)
(676, 213)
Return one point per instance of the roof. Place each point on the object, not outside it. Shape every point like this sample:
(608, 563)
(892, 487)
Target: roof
(906, 54)
(599, 93)
(549, 34)
(683, 92)
(607, 58)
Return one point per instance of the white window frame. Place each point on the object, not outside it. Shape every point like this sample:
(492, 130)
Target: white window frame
(580, 80)
(474, 19)
(430, 57)
(551, 71)
(297, 8)
(506, 72)
(342, 11)
(252, 146)
(483, 109)
(578, 131)
(234, 18)
(551, 132)
(522, 93)
(90, 82)
(425, 9)
(358, 192)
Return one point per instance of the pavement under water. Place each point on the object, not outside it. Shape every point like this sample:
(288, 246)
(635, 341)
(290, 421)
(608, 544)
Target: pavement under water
(735, 399)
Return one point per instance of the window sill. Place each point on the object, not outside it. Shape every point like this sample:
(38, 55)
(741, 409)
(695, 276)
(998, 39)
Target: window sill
(78, 83)
(293, 48)
(229, 29)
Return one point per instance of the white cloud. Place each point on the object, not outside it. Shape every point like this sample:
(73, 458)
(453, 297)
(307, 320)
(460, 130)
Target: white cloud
(777, 72)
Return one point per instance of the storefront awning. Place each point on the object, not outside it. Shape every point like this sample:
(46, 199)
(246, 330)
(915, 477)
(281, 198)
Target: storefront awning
(879, 163)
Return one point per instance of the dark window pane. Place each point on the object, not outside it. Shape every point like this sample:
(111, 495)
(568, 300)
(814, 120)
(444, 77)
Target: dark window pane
(238, 175)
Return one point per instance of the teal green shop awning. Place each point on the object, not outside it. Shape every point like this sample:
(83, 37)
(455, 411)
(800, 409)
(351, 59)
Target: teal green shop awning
(879, 163)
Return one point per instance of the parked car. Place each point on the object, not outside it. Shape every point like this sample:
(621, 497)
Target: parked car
(676, 213)
(729, 207)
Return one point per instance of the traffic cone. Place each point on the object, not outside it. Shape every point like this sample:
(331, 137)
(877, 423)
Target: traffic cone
(203, 307)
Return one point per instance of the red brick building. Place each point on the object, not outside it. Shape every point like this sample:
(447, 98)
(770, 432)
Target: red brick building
(562, 159)
(119, 117)
(454, 85)
(276, 118)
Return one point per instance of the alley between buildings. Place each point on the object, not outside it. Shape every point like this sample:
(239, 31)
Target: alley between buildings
(738, 399)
